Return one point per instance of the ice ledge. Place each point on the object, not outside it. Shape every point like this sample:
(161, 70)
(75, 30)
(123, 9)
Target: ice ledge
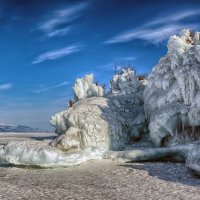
(40, 153)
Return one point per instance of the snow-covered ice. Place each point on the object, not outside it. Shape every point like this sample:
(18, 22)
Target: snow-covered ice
(172, 95)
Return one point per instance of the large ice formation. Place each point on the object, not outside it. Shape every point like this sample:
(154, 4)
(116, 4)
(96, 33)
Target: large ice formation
(108, 122)
(172, 95)
(95, 124)
(172, 104)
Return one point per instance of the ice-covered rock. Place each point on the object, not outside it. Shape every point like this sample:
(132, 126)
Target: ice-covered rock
(85, 87)
(107, 122)
(93, 125)
(172, 104)
(85, 121)
(172, 95)
(70, 140)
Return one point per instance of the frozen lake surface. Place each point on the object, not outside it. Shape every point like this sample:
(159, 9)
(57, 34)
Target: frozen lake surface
(101, 179)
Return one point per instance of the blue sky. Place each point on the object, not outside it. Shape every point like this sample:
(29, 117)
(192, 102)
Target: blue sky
(45, 45)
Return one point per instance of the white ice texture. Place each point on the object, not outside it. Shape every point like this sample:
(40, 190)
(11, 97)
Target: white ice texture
(85, 88)
(172, 95)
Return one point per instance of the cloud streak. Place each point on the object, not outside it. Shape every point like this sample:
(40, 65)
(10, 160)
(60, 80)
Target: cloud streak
(56, 54)
(60, 32)
(6, 86)
(175, 17)
(44, 89)
(60, 22)
(152, 35)
(158, 35)
(157, 30)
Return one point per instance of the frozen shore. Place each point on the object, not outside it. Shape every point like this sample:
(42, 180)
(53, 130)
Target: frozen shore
(100, 179)
(103, 179)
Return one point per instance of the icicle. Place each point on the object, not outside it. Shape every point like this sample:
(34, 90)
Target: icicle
(193, 131)
(183, 127)
(176, 135)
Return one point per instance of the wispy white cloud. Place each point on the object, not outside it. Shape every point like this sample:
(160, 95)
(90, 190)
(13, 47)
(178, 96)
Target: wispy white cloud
(60, 32)
(6, 86)
(155, 35)
(43, 88)
(175, 17)
(62, 18)
(53, 55)
(158, 29)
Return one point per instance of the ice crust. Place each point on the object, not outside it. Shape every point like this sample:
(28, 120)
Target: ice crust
(38, 153)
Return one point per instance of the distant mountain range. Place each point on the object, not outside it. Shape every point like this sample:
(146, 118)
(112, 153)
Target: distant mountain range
(19, 128)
